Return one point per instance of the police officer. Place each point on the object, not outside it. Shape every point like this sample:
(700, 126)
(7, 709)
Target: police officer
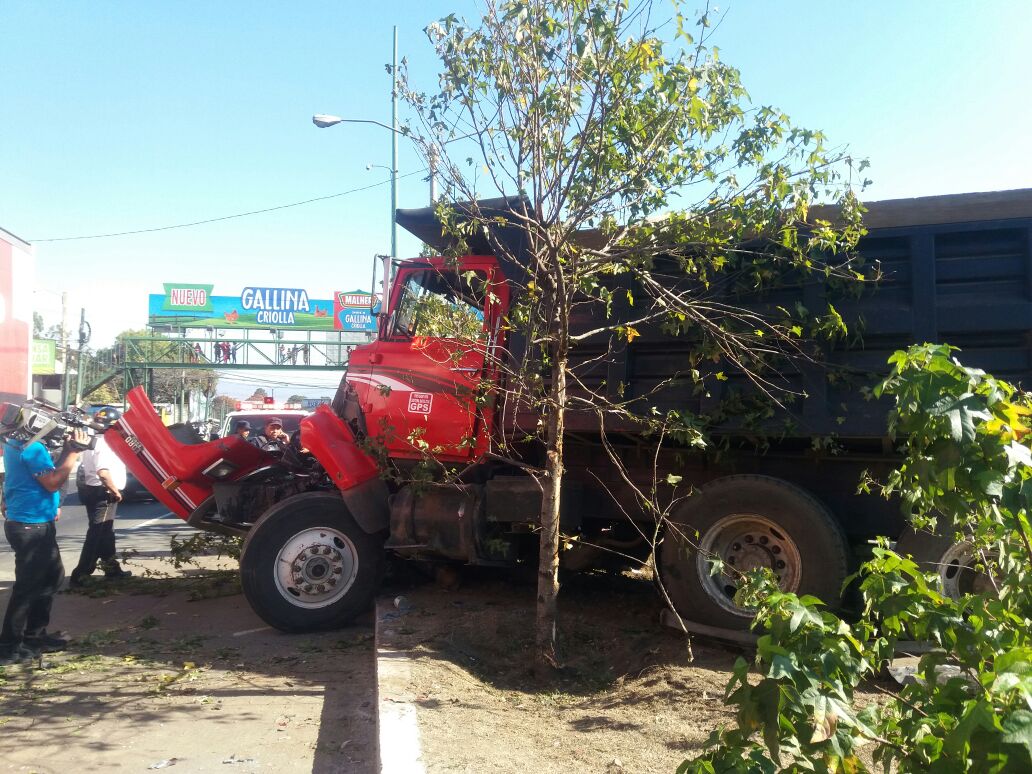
(104, 478)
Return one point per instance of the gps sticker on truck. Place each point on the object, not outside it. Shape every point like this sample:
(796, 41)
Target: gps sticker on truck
(420, 402)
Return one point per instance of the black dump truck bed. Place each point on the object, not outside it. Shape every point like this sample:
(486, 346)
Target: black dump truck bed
(955, 269)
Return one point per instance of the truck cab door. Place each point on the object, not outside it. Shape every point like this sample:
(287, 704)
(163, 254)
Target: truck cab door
(421, 386)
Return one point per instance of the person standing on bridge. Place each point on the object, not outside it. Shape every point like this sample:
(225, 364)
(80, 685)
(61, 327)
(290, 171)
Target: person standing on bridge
(32, 493)
(103, 480)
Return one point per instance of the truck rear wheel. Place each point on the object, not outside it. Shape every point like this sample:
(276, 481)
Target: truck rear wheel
(307, 565)
(749, 522)
(953, 560)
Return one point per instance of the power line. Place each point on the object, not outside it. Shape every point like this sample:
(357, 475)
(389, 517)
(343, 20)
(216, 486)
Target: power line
(283, 383)
(226, 217)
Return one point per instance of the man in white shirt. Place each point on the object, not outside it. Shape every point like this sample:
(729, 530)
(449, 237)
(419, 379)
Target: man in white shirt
(100, 490)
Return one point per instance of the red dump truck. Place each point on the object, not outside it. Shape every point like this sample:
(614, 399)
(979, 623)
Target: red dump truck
(319, 517)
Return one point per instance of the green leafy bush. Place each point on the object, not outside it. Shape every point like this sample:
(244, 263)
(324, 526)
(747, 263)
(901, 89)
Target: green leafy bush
(967, 469)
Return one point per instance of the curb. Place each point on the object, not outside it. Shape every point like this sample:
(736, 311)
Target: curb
(398, 743)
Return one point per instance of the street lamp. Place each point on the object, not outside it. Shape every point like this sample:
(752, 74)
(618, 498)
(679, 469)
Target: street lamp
(323, 121)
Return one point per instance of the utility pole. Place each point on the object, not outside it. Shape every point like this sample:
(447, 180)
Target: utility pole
(84, 337)
(65, 360)
(394, 149)
(183, 416)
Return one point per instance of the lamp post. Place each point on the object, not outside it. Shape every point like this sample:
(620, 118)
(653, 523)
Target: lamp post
(323, 121)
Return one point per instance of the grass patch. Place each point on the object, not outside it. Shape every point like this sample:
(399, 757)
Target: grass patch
(80, 662)
(187, 644)
(353, 642)
(97, 640)
(208, 584)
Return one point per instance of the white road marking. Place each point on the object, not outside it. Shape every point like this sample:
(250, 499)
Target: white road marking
(151, 521)
(401, 751)
(251, 631)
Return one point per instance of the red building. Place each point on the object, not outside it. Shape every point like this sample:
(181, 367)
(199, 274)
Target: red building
(16, 280)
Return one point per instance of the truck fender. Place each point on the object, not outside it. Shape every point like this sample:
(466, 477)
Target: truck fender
(351, 470)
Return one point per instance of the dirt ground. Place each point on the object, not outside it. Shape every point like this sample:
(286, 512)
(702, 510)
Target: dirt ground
(627, 699)
(161, 679)
(174, 671)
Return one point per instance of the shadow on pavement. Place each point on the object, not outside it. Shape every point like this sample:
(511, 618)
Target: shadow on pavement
(153, 676)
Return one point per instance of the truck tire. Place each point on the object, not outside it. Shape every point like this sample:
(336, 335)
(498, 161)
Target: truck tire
(951, 559)
(307, 565)
(749, 522)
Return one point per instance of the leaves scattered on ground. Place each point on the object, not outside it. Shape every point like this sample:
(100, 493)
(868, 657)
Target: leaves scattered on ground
(196, 584)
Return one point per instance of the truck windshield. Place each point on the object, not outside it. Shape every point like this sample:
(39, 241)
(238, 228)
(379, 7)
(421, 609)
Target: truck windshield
(440, 305)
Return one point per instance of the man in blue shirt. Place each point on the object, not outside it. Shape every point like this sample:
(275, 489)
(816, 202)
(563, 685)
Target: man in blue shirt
(32, 496)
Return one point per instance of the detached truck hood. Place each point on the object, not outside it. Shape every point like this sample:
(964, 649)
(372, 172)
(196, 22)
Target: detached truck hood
(178, 474)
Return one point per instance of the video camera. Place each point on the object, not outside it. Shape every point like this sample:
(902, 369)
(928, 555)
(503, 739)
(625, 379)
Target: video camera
(39, 421)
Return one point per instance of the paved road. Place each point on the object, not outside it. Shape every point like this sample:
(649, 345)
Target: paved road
(144, 527)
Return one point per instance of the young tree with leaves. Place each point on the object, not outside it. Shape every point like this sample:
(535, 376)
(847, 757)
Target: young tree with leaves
(967, 471)
(620, 117)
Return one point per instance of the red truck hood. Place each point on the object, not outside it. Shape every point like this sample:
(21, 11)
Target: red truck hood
(170, 470)
(181, 475)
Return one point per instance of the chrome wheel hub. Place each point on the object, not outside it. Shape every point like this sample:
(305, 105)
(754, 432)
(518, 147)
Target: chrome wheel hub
(745, 542)
(316, 567)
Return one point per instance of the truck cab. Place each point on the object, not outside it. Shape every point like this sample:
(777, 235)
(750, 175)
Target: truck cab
(315, 514)
(424, 386)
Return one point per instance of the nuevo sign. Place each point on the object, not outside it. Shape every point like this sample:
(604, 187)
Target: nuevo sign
(187, 298)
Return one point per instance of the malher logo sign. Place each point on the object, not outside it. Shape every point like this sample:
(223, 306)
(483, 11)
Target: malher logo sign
(356, 299)
(353, 311)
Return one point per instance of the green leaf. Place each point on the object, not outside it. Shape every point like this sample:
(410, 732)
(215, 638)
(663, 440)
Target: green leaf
(781, 667)
(1017, 729)
(1018, 454)
(825, 719)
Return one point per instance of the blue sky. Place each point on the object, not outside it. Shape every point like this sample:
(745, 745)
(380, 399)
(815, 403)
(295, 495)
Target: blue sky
(117, 116)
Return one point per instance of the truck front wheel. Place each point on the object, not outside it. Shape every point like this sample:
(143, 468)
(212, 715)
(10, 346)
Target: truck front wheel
(307, 565)
(749, 522)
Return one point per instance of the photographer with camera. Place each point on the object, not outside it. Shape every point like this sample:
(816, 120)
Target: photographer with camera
(32, 493)
(100, 483)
